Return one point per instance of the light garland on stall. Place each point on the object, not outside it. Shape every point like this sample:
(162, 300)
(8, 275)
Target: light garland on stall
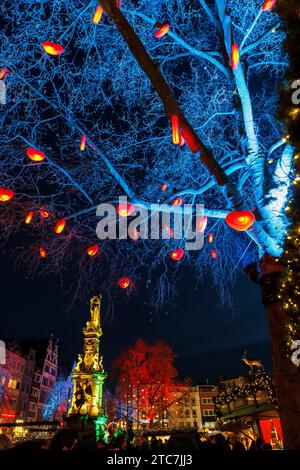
(254, 382)
(289, 112)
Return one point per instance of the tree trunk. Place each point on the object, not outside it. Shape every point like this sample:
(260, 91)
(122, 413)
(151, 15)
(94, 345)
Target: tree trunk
(285, 374)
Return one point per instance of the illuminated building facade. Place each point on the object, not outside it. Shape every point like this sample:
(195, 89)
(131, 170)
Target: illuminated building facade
(26, 379)
(207, 394)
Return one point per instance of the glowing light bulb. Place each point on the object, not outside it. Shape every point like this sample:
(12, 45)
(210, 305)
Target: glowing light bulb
(28, 218)
(60, 226)
(124, 282)
(53, 48)
(124, 210)
(43, 252)
(6, 194)
(235, 56)
(35, 155)
(93, 250)
(161, 32)
(175, 129)
(177, 255)
(98, 14)
(268, 5)
(82, 143)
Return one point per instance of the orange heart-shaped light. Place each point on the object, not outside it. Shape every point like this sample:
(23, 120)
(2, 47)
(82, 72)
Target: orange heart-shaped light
(177, 201)
(52, 48)
(177, 255)
(240, 220)
(43, 252)
(161, 32)
(201, 224)
(6, 194)
(60, 226)
(44, 213)
(124, 210)
(93, 250)
(268, 5)
(35, 155)
(124, 282)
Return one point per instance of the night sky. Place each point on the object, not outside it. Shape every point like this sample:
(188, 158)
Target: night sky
(208, 338)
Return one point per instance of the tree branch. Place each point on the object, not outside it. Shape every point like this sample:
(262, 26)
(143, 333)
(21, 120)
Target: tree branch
(168, 99)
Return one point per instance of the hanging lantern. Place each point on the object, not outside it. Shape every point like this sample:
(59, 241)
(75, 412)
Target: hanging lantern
(124, 210)
(43, 252)
(35, 155)
(3, 72)
(235, 56)
(177, 255)
(53, 48)
(240, 221)
(177, 201)
(124, 282)
(214, 254)
(82, 143)
(175, 129)
(210, 237)
(98, 14)
(268, 5)
(28, 217)
(201, 224)
(93, 250)
(163, 187)
(181, 141)
(44, 213)
(6, 194)
(161, 32)
(60, 226)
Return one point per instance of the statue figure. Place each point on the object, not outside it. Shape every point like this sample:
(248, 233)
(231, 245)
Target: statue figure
(95, 310)
(96, 361)
(252, 363)
(79, 362)
(79, 398)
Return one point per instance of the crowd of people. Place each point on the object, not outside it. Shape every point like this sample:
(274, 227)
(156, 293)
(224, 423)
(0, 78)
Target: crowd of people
(118, 441)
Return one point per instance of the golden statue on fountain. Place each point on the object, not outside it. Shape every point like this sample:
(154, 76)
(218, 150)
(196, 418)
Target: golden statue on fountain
(89, 375)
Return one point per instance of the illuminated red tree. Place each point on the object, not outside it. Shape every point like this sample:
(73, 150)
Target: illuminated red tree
(147, 376)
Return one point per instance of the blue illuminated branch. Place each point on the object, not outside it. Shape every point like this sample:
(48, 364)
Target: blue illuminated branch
(259, 41)
(60, 169)
(99, 88)
(203, 55)
(249, 31)
(81, 131)
(209, 13)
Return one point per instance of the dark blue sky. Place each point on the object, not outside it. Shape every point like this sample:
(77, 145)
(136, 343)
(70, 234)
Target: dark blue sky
(208, 339)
